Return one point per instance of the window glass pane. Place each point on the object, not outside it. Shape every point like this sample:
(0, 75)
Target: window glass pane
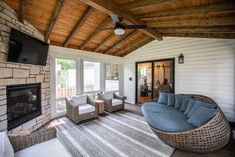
(65, 82)
(91, 76)
(111, 77)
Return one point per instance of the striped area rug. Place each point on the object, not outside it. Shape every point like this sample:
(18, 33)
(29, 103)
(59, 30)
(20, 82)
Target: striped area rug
(121, 134)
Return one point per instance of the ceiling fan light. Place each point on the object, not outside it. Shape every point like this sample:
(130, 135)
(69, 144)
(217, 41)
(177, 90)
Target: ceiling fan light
(119, 31)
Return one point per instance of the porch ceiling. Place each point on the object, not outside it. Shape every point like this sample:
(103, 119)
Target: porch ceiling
(74, 23)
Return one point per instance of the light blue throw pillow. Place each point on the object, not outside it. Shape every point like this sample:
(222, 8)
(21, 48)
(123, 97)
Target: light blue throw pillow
(185, 102)
(178, 101)
(171, 99)
(198, 104)
(201, 116)
(163, 98)
(189, 107)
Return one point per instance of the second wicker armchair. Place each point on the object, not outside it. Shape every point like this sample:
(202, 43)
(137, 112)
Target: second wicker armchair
(112, 101)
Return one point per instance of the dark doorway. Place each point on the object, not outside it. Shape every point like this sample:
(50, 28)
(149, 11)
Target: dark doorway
(150, 76)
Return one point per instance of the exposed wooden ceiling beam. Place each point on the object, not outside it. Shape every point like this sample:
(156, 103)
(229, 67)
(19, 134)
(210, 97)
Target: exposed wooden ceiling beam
(223, 21)
(103, 42)
(106, 22)
(201, 35)
(110, 7)
(192, 12)
(21, 13)
(145, 3)
(215, 29)
(54, 18)
(128, 36)
(79, 24)
(130, 45)
(137, 46)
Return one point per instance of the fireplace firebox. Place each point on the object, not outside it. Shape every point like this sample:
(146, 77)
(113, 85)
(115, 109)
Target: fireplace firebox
(23, 103)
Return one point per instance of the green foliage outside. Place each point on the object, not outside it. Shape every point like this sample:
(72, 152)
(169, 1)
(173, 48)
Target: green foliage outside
(66, 64)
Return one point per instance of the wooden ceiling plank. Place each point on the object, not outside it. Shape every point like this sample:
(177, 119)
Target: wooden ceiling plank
(106, 22)
(222, 21)
(78, 25)
(137, 46)
(54, 18)
(216, 29)
(145, 3)
(198, 11)
(103, 42)
(121, 41)
(130, 45)
(110, 7)
(21, 13)
(201, 35)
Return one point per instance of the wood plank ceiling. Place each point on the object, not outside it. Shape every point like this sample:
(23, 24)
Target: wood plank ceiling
(74, 23)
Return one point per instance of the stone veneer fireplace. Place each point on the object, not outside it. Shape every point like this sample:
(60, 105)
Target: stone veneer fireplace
(23, 104)
(12, 74)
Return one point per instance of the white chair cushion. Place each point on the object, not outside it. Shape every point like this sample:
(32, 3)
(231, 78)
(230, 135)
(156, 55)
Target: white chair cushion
(86, 108)
(79, 99)
(108, 95)
(6, 149)
(45, 149)
(116, 102)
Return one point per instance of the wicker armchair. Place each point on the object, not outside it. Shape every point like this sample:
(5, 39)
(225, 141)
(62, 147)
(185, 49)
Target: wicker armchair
(112, 101)
(81, 108)
(210, 137)
(22, 141)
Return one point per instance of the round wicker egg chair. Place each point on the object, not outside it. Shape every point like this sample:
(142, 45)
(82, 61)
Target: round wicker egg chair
(210, 137)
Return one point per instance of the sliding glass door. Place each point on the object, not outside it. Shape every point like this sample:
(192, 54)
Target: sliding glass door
(65, 79)
(153, 77)
(144, 82)
(163, 77)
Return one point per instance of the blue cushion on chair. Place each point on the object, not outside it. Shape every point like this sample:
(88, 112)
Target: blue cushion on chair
(198, 104)
(185, 102)
(178, 101)
(163, 98)
(189, 107)
(170, 99)
(201, 116)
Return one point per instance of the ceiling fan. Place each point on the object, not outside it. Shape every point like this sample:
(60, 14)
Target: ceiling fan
(120, 28)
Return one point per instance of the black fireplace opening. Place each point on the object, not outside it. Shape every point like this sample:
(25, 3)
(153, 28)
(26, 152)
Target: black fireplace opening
(23, 103)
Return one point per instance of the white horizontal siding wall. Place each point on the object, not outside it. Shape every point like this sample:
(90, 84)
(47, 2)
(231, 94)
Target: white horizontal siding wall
(208, 68)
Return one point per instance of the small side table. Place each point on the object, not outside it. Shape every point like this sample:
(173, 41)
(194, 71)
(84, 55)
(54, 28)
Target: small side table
(101, 106)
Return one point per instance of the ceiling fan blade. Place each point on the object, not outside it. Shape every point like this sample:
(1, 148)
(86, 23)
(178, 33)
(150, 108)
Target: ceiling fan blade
(115, 18)
(135, 27)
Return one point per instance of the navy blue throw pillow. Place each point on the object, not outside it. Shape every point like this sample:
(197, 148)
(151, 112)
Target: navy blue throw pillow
(198, 104)
(189, 107)
(184, 103)
(178, 101)
(163, 98)
(171, 99)
(201, 116)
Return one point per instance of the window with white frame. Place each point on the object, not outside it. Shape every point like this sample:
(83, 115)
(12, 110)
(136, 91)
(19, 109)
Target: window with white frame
(91, 73)
(111, 77)
(65, 79)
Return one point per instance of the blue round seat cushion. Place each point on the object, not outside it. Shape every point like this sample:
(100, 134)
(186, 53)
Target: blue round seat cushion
(165, 118)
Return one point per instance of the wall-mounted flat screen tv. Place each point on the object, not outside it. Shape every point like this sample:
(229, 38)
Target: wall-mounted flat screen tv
(26, 49)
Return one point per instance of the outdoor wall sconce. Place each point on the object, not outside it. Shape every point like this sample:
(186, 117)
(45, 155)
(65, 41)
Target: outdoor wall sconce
(181, 59)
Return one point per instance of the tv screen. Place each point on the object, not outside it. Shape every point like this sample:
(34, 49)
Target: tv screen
(26, 49)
